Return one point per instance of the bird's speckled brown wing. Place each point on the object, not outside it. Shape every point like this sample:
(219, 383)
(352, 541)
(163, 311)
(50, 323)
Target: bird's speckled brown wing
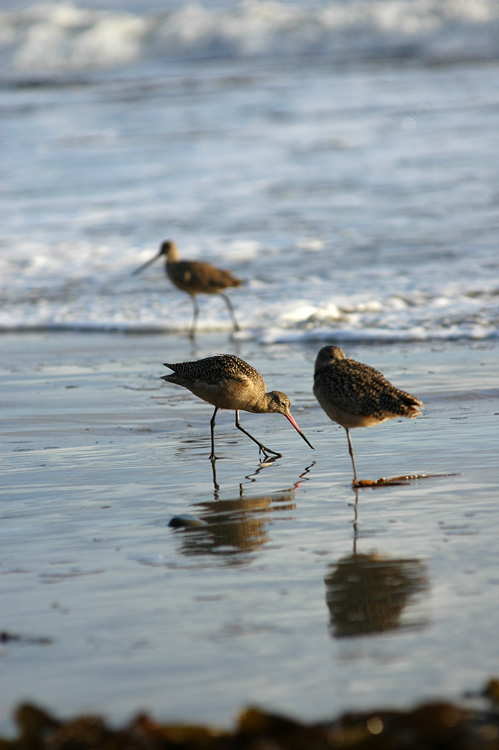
(214, 369)
(362, 391)
(224, 381)
(197, 277)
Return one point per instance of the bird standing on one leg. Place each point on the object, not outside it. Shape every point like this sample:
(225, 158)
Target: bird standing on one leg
(227, 382)
(356, 395)
(195, 277)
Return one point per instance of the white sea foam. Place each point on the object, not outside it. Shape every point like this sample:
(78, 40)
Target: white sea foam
(55, 37)
(87, 288)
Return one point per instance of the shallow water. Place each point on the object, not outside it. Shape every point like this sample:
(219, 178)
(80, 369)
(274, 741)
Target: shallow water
(263, 602)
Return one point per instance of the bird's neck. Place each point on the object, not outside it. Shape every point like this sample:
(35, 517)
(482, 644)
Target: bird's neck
(263, 405)
(172, 255)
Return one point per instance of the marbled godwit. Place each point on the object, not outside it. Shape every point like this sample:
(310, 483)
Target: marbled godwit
(195, 277)
(227, 382)
(357, 395)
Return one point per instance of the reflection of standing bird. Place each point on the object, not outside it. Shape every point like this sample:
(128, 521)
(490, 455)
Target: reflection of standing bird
(357, 395)
(195, 277)
(227, 382)
(368, 594)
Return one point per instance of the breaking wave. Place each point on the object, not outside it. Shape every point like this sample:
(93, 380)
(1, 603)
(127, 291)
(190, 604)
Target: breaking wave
(57, 38)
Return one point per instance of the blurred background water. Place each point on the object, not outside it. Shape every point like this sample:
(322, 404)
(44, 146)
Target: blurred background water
(343, 157)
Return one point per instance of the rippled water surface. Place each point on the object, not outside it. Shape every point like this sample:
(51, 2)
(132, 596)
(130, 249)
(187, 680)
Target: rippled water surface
(292, 592)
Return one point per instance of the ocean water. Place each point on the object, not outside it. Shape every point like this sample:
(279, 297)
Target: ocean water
(342, 157)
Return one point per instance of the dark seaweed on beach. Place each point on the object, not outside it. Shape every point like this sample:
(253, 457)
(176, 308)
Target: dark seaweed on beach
(433, 726)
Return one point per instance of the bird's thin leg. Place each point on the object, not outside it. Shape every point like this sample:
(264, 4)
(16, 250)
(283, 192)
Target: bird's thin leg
(195, 316)
(231, 310)
(212, 426)
(350, 448)
(260, 445)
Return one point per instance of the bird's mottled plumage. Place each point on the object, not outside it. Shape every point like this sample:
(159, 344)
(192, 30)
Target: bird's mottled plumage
(356, 395)
(227, 382)
(195, 277)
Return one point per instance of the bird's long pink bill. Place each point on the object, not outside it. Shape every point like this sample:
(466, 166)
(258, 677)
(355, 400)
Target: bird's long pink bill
(145, 265)
(290, 419)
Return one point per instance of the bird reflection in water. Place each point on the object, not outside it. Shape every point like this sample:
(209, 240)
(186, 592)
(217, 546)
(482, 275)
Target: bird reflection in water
(367, 594)
(235, 526)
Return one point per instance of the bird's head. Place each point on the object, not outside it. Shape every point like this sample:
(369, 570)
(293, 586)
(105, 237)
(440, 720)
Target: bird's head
(167, 247)
(327, 355)
(280, 403)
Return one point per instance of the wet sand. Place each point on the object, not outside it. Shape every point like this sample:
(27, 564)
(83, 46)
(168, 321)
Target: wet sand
(99, 455)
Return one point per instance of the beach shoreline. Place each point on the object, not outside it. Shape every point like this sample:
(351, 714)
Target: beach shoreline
(100, 454)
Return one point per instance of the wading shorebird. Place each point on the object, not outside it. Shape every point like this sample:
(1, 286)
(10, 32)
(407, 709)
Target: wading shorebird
(356, 395)
(195, 277)
(227, 382)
